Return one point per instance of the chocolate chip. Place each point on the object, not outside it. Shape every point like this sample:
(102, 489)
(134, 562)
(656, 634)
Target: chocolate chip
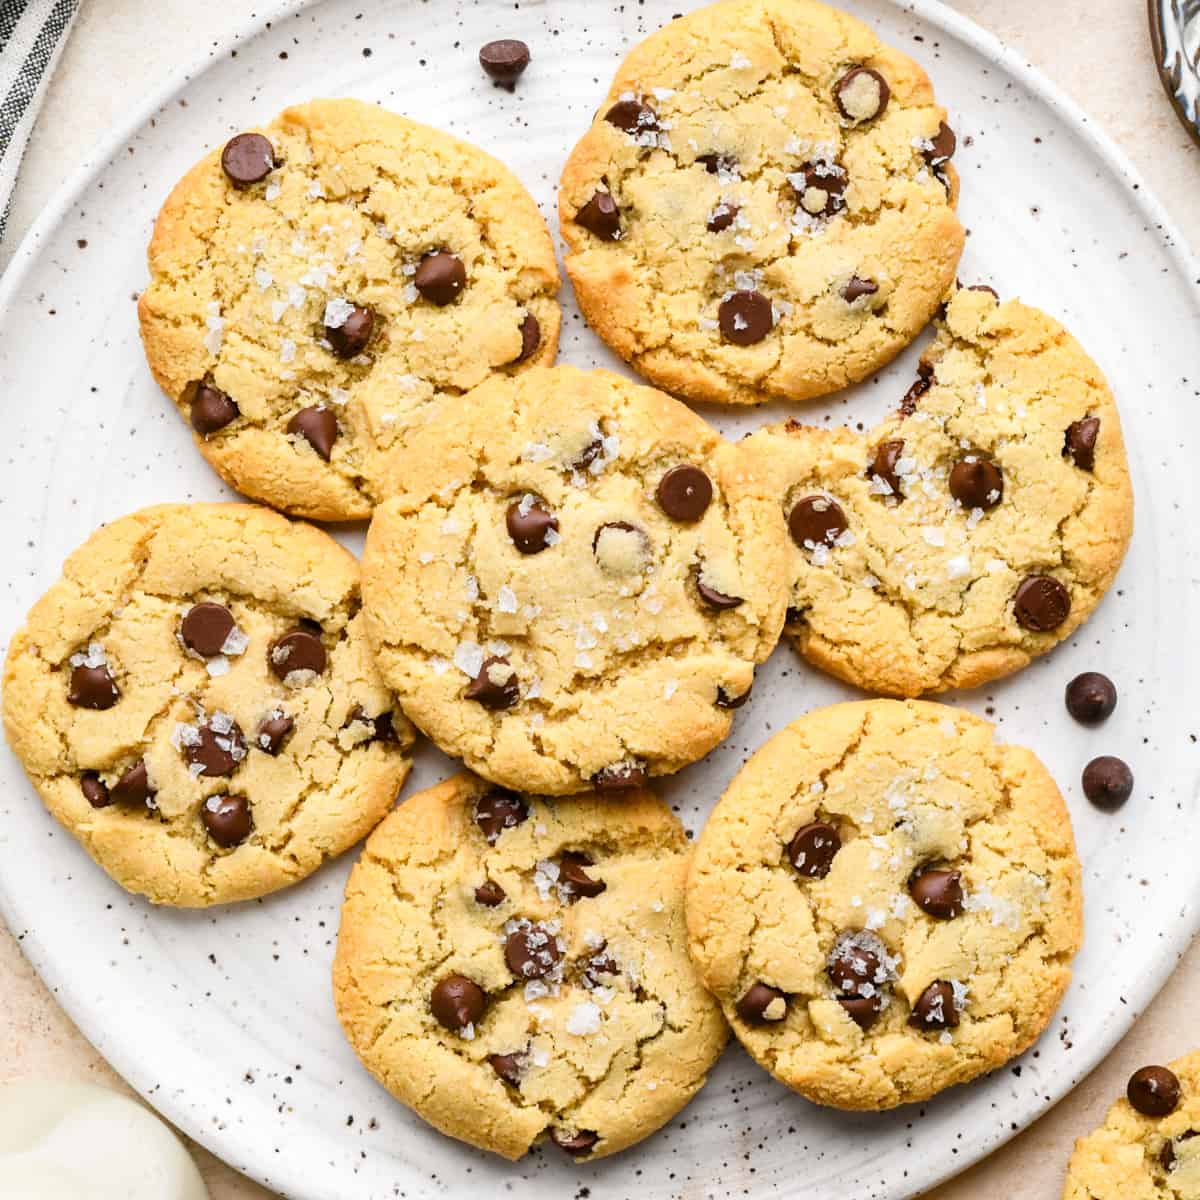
(684, 493)
(574, 879)
(1041, 603)
(1154, 1091)
(855, 964)
(601, 216)
(816, 521)
(509, 1067)
(718, 164)
(908, 405)
(935, 1008)
(725, 700)
(273, 731)
(532, 952)
(531, 338)
(983, 287)
(385, 728)
(1107, 782)
(857, 288)
(1079, 445)
(616, 553)
(1166, 1156)
(1091, 698)
(821, 188)
(600, 966)
(620, 777)
(94, 789)
(938, 893)
(496, 686)
(862, 1010)
(632, 116)
(247, 158)
(762, 1004)
(498, 810)
(352, 335)
(575, 1144)
(745, 318)
(976, 482)
(714, 599)
(318, 427)
(205, 627)
(298, 650)
(93, 687)
(941, 146)
(227, 819)
(861, 94)
(211, 408)
(812, 848)
(883, 466)
(440, 277)
(134, 788)
(216, 751)
(587, 456)
(722, 217)
(457, 1002)
(489, 894)
(529, 524)
(504, 60)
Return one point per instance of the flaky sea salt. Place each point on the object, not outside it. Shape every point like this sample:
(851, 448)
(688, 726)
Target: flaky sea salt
(337, 312)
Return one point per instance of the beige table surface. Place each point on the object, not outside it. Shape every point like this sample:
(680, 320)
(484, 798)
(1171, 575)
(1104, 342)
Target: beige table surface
(1098, 50)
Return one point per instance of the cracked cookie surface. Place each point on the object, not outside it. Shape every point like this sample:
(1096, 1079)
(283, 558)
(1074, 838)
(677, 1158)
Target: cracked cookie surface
(195, 700)
(574, 583)
(764, 205)
(1143, 1156)
(515, 970)
(316, 292)
(886, 902)
(950, 546)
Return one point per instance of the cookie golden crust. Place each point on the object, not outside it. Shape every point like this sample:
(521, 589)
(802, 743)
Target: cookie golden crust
(195, 701)
(574, 583)
(373, 269)
(1134, 1156)
(950, 546)
(886, 902)
(515, 970)
(764, 204)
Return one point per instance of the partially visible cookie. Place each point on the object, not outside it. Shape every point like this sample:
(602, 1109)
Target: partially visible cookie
(1149, 1145)
(515, 970)
(886, 902)
(975, 529)
(195, 701)
(764, 204)
(317, 287)
(573, 582)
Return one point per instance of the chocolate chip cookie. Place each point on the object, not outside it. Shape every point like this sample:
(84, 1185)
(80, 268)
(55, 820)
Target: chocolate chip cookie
(195, 701)
(515, 971)
(886, 902)
(764, 204)
(972, 531)
(574, 582)
(317, 287)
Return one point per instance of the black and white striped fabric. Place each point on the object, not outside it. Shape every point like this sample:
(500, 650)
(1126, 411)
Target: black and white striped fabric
(32, 32)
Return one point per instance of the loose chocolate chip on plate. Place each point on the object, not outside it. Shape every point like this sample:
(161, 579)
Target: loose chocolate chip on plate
(855, 964)
(816, 521)
(718, 601)
(812, 849)
(504, 60)
(935, 1007)
(745, 318)
(575, 1144)
(820, 188)
(273, 731)
(632, 116)
(531, 338)
(722, 217)
(498, 810)
(297, 651)
(1091, 698)
(762, 1004)
(205, 627)
(134, 788)
(573, 878)
(216, 750)
(509, 1067)
(227, 819)
(92, 687)
(440, 277)
(684, 493)
(94, 789)
(317, 426)
(352, 335)
(861, 94)
(941, 146)
(496, 686)
(620, 777)
(937, 892)
(529, 524)
(532, 952)
(1041, 603)
(725, 700)
(1107, 782)
(883, 466)
(1079, 445)
(857, 288)
(862, 1010)
(247, 158)
(976, 482)
(457, 1002)
(601, 216)
(489, 894)
(1154, 1091)
(211, 409)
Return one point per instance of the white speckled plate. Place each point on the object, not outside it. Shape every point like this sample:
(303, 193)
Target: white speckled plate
(224, 1020)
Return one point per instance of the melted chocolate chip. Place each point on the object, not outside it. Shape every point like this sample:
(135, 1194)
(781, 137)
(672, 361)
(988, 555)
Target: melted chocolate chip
(317, 426)
(205, 627)
(938, 893)
(457, 1002)
(816, 521)
(745, 318)
(620, 777)
(352, 335)
(1041, 603)
(941, 146)
(297, 651)
(821, 188)
(532, 952)
(722, 217)
(862, 1010)
(92, 687)
(684, 493)
(573, 878)
(440, 277)
(857, 288)
(496, 686)
(861, 94)
(227, 819)
(134, 787)
(94, 789)
(273, 731)
(211, 409)
(855, 966)
(632, 116)
(1107, 782)
(883, 466)
(908, 405)
(216, 752)
(976, 482)
(247, 159)
(531, 338)
(935, 1008)
(498, 810)
(509, 1067)
(718, 164)
(1091, 698)
(529, 524)
(726, 700)
(575, 1144)
(1079, 444)
(600, 216)
(489, 894)
(1154, 1091)
(812, 849)
(504, 61)
(762, 1004)
(718, 601)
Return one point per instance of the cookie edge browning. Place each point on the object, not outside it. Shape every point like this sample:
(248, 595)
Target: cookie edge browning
(1026, 781)
(431, 817)
(252, 460)
(595, 288)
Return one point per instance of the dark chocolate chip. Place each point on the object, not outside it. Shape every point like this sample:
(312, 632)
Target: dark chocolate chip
(227, 819)
(498, 810)
(601, 216)
(509, 1067)
(883, 465)
(134, 788)
(935, 1008)
(812, 848)
(816, 521)
(211, 408)
(529, 522)
(317, 426)
(273, 731)
(1107, 782)
(725, 700)
(620, 777)
(205, 627)
(821, 189)
(247, 158)
(722, 217)
(984, 287)
(92, 687)
(861, 94)
(855, 964)
(573, 878)
(496, 686)
(504, 60)
(745, 318)
(941, 146)
(857, 288)
(94, 789)
(532, 952)
(937, 892)
(531, 338)
(714, 599)
(976, 482)
(1166, 1156)
(908, 405)
(575, 1144)
(718, 164)
(632, 116)
(1154, 1091)
(297, 650)
(216, 752)
(457, 1002)
(752, 1007)
(489, 894)
(684, 493)
(600, 966)
(1091, 698)
(352, 335)
(862, 1010)
(440, 277)
(1041, 603)
(1079, 445)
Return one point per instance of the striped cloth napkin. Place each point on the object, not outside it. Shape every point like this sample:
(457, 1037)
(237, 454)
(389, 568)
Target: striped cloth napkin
(32, 32)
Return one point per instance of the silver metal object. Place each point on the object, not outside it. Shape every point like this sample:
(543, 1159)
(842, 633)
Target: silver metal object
(1175, 33)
